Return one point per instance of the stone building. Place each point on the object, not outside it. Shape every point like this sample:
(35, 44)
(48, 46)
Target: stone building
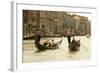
(51, 22)
(69, 24)
(30, 22)
(54, 23)
(83, 25)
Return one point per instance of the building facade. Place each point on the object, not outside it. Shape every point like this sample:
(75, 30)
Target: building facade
(52, 23)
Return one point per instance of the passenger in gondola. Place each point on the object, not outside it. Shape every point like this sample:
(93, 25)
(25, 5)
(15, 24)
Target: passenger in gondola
(49, 44)
(53, 43)
(46, 43)
(78, 43)
(73, 41)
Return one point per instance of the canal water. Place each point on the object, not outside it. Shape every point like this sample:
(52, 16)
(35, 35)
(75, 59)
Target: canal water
(30, 55)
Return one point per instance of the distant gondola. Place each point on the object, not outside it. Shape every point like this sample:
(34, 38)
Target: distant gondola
(41, 47)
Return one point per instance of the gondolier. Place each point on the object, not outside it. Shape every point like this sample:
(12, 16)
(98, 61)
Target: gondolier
(69, 37)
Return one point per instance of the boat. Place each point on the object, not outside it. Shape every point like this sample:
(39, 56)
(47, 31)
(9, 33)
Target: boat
(88, 36)
(41, 47)
(74, 46)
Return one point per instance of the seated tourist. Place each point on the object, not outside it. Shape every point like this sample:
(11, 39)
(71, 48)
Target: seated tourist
(78, 43)
(73, 41)
(46, 43)
(53, 43)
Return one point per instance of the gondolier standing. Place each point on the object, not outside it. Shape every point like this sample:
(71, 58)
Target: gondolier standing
(69, 37)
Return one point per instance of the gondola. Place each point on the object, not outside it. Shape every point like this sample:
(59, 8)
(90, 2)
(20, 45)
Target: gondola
(74, 46)
(41, 47)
